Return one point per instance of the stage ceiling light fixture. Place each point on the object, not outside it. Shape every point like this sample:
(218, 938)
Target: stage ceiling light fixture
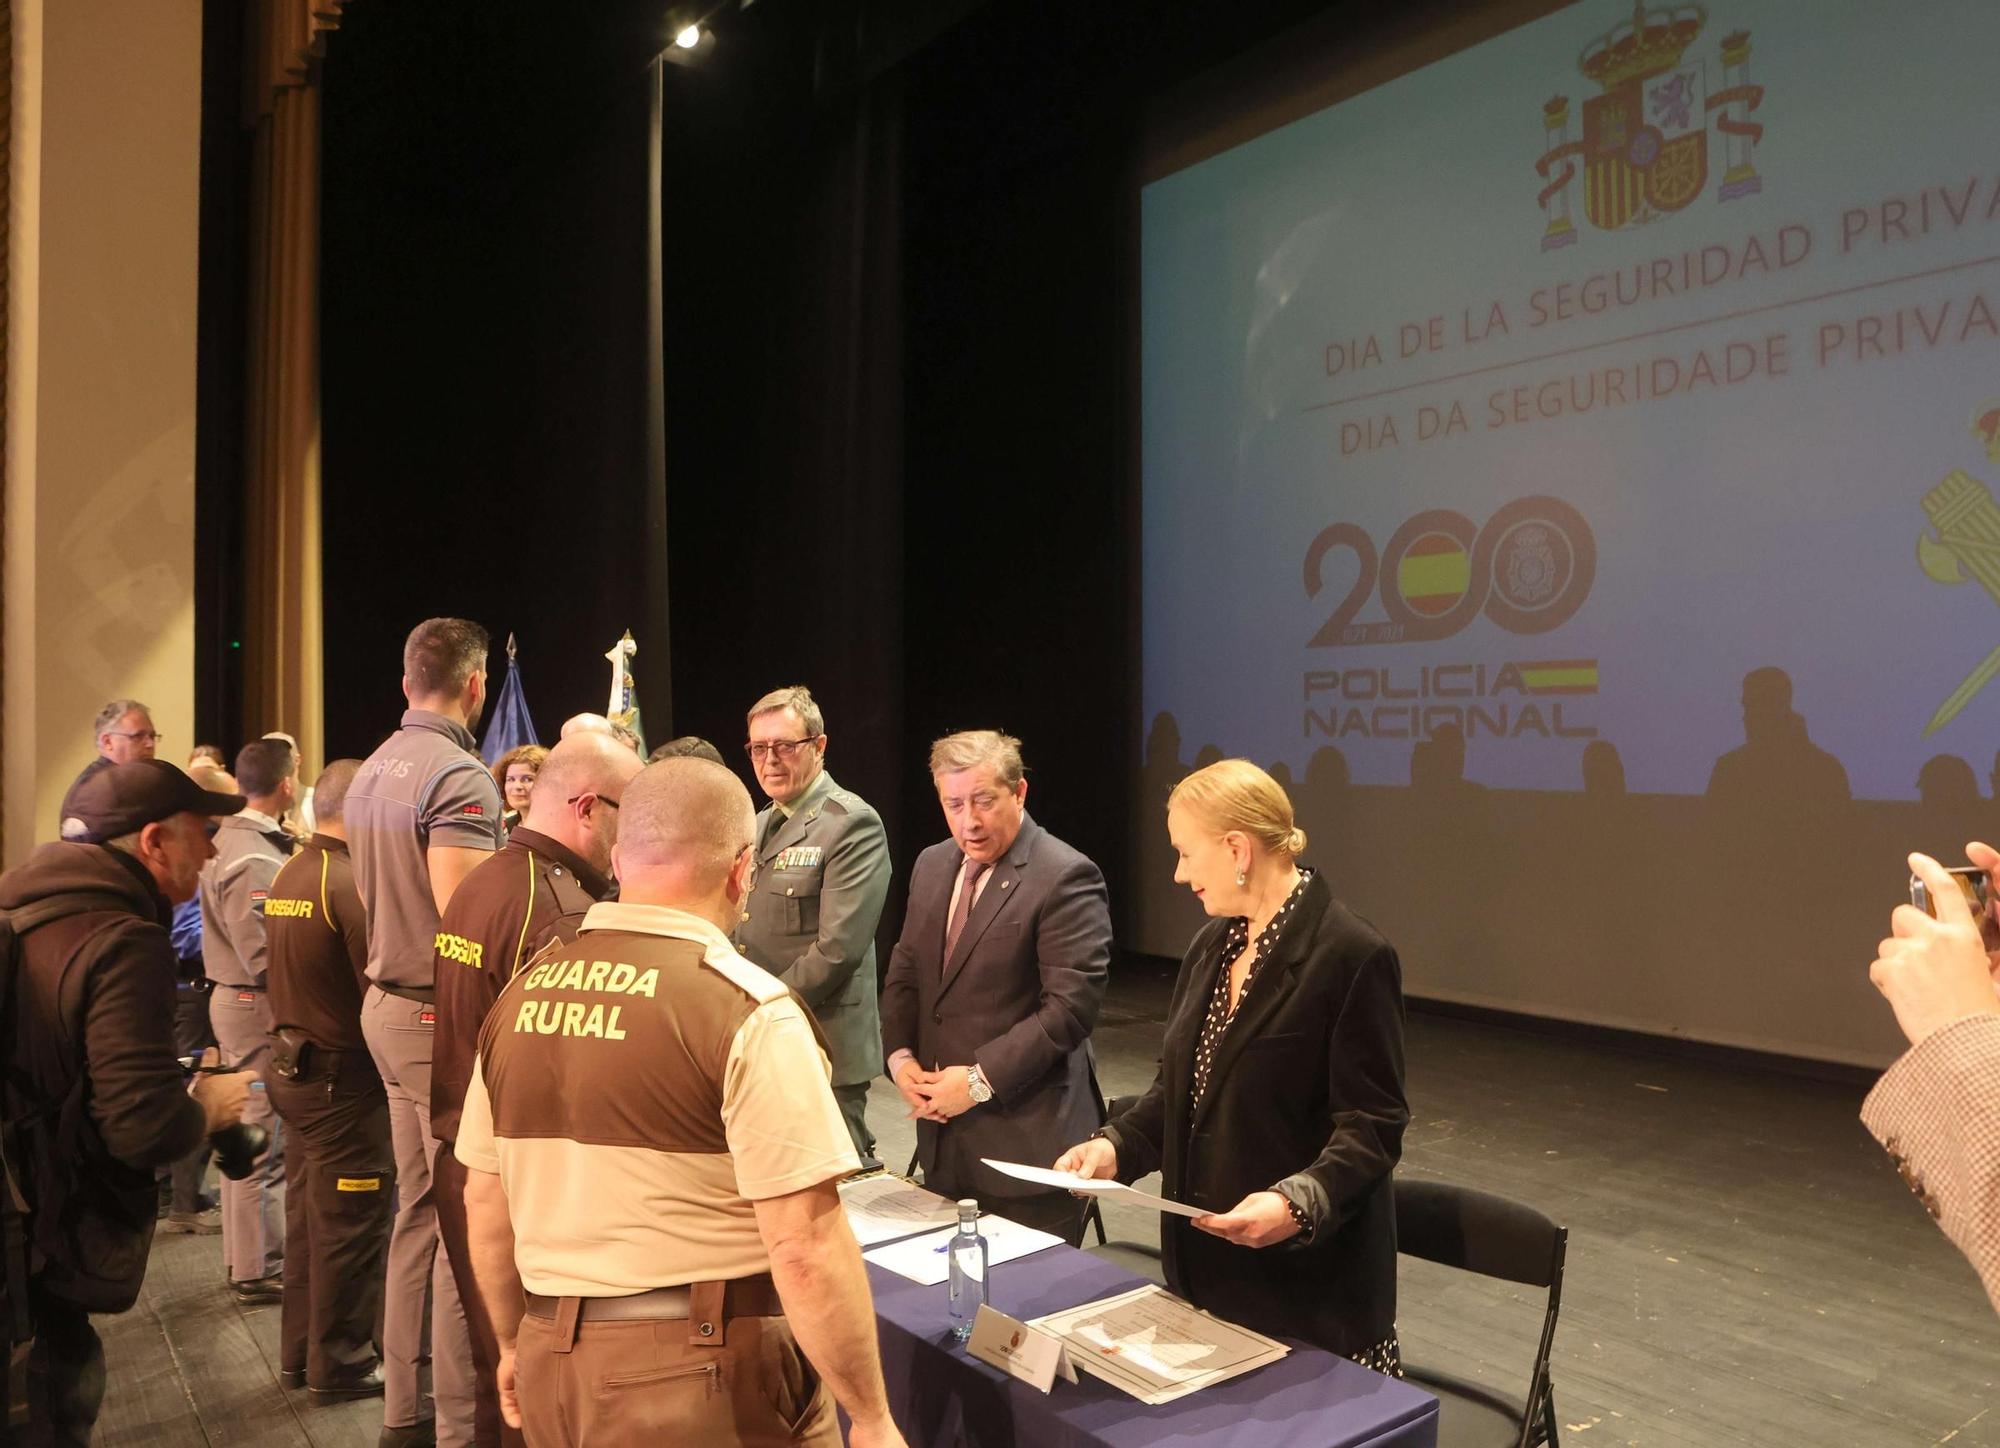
(689, 37)
(692, 38)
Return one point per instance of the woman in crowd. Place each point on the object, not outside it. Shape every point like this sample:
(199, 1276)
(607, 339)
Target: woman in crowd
(1279, 1102)
(515, 773)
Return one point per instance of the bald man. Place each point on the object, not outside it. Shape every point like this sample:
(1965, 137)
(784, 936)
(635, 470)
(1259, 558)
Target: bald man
(689, 1088)
(555, 866)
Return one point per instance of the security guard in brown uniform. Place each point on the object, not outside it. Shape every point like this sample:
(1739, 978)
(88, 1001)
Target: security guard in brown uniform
(340, 1177)
(555, 865)
(653, 1148)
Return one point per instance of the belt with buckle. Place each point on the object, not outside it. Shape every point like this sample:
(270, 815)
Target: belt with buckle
(742, 1297)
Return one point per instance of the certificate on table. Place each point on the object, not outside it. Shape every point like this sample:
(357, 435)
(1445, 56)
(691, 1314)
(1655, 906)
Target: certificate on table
(1093, 1187)
(1156, 1347)
(882, 1208)
(927, 1259)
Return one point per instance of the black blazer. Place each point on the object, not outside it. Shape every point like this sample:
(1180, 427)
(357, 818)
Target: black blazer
(1019, 998)
(1306, 1090)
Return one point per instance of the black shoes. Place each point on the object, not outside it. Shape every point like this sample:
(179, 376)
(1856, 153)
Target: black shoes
(368, 1385)
(417, 1435)
(292, 1378)
(257, 1291)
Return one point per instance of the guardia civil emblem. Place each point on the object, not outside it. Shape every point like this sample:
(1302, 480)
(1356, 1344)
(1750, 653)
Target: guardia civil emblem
(1966, 521)
(1646, 146)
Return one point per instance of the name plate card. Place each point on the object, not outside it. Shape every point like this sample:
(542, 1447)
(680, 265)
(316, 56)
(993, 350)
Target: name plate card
(1018, 1350)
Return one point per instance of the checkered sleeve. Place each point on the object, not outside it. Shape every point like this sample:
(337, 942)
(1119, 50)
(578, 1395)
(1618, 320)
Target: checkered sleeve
(1937, 1113)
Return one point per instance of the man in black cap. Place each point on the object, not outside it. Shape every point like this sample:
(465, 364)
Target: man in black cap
(95, 1086)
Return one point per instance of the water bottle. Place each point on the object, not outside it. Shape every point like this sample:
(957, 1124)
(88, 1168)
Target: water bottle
(968, 1270)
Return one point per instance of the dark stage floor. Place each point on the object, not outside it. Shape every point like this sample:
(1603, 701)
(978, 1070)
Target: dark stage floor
(1745, 1265)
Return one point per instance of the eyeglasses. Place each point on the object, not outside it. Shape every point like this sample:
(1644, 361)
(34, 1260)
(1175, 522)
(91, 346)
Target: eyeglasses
(592, 794)
(153, 734)
(775, 749)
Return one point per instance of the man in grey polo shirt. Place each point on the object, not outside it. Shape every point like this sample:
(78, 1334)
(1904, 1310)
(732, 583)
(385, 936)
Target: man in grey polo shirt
(422, 812)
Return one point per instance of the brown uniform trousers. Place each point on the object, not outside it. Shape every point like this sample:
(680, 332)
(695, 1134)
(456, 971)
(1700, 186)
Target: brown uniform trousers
(340, 1199)
(613, 1384)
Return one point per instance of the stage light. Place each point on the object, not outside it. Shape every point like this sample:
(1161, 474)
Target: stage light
(689, 38)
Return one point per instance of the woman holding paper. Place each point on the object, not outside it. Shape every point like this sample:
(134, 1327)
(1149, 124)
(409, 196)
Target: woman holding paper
(1279, 1102)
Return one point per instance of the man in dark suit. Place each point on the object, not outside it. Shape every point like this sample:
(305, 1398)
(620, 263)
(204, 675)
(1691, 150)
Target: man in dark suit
(822, 875)
(993, 989)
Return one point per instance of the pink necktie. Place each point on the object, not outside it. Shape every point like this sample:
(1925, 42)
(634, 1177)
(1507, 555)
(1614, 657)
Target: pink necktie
(969, 887)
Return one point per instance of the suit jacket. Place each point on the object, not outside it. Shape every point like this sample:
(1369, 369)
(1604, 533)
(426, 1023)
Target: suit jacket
(1019, 999)
(1305, 1095)
(1937, 1112)
(822, 875)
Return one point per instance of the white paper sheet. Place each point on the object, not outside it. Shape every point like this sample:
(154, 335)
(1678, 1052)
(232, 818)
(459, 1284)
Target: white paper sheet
(883, 1208)
(1093, 1186)
(926, 1259)
(1156, 1347)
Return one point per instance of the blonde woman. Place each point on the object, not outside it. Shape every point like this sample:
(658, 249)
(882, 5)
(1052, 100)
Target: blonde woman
(1279, 1102)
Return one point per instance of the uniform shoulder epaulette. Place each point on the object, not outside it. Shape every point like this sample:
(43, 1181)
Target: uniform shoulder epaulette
(753, 980)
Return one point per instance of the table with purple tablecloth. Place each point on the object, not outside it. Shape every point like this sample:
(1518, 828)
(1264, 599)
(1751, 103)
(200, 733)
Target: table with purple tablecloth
(942, 1397)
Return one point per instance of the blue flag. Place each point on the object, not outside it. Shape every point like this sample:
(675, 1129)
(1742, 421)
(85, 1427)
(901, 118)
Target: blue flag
(511, 727)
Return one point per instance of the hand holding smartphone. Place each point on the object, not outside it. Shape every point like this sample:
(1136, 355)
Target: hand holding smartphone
(1977, 887)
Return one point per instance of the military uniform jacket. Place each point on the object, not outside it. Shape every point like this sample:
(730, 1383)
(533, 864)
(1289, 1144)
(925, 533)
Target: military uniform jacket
(533, 891)
(1937, 1112)
(822, 875)
(317, 935)
(249, 849)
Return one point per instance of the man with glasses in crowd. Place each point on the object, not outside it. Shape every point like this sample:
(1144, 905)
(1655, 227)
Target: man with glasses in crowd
(822, 873)
(554, 867)
(125, 732)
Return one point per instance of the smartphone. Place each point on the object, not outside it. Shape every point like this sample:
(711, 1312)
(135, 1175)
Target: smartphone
(1977, 887)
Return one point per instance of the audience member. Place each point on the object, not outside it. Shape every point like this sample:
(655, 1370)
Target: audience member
(711, 1244)
(250, 847)
(1937, 1110)
(124, 732)
(987, 1031)
(93, 1027)
(822, 874)
(555, 866)
(421, 814)
(340, 1180)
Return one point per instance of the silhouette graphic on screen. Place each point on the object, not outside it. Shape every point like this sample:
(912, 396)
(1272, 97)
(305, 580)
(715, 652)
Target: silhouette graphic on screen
(1208, 754)
(1437, 764)
(1947, 780)
(1777, 764)
(1603, 770)
(1282, 773)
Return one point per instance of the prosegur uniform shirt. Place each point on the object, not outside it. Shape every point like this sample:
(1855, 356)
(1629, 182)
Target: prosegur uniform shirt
(318, 938)
(534, 891)
(636, 1090)
(423, 787)
(249, 848)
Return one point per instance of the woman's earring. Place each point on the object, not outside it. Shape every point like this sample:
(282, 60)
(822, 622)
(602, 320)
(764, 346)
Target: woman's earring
(1241, 879)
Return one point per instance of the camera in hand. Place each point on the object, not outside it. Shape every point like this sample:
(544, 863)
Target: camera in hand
(238, 1145)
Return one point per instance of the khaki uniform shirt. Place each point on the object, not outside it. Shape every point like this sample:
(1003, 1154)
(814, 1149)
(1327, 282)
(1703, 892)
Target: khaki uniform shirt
(249, 849)
(507, 909)
(318, 938)
(423, 787)
(636, 1091)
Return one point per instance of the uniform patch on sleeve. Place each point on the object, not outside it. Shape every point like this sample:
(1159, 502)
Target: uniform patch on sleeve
(257, 899)
(474, 809)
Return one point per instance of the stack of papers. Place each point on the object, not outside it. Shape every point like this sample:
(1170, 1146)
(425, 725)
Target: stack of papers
(927, 1259)
(1093, 1187)
(1156, 1347)
(881, 1208)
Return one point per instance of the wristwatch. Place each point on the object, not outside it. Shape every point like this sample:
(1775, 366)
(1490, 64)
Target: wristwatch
(975, 1082)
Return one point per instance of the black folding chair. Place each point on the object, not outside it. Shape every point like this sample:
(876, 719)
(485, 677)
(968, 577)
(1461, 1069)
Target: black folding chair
(1479, 1232)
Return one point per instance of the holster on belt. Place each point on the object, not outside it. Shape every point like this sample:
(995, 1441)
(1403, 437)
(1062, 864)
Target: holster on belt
(291, 1053)
(706, 1319)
